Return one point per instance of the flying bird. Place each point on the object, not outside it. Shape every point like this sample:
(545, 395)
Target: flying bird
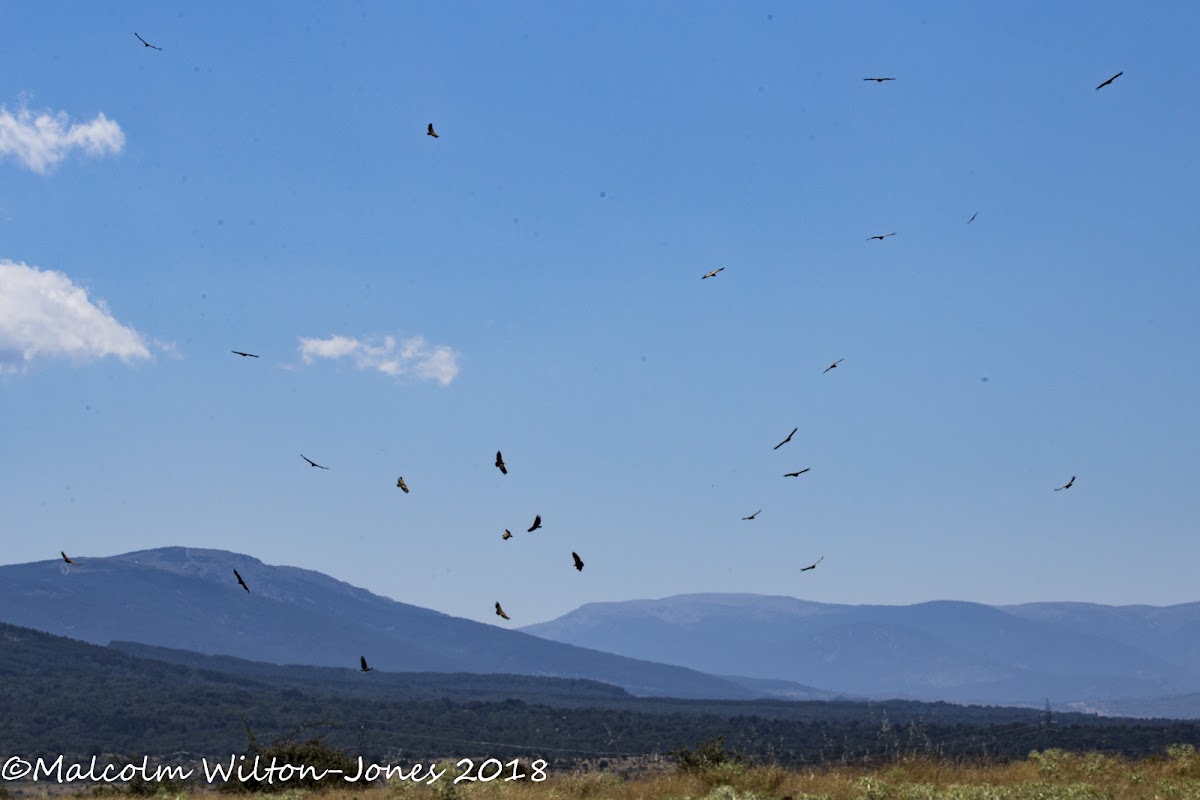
(833, 365)
(67, 559)
(430, 131)
(785, 441)
(812, 566)
(500, 612)
(363, 661)
(241, 582)
(972, 219)
(881, 236)
(578, 561)
(1110, 80)
(755, 514)
(537, 523)
(500, 464)
(712, 274)
(879, 80)
(311, 462)
(400, 483)
(796, 474)
(245, 355)
(1067, 485)
(143, 41)
(506, 535)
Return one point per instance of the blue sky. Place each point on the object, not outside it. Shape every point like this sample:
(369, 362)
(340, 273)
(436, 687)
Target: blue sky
(266, 179)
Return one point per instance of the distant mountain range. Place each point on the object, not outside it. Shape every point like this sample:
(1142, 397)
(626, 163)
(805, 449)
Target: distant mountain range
(1087, 656)
(1130, 660)
(187, 599)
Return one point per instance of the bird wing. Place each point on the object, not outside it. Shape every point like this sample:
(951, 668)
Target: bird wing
(786, 440)
(363, 661)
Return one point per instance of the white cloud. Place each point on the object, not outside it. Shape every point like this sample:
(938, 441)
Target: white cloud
(39, 142)
(413, 357)
(44, 314)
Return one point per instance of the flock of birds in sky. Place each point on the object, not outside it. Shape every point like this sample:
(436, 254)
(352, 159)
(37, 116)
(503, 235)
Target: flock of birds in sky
(499, 463)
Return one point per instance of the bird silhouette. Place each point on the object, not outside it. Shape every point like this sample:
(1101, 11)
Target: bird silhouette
(578, 561)
(500, 464)
(785, 441)
(143, 41)
(712, 274)
(67, 559)
(537, 523)
(812, 566)
(972, 219)
(506, 535)
(1110, 80)
(400, 483)
(796, 474)
(879, 80)
(241, 582)
(245, 355)
(833, 365)
(362, 660)
(881, 236)
(312, 463)
(430, 131)
(755, 514)
(500, 612)
(1067, 485)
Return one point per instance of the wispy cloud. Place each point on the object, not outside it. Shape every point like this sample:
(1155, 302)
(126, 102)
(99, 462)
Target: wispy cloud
(412, 357)
(43, 314)
(39, 142)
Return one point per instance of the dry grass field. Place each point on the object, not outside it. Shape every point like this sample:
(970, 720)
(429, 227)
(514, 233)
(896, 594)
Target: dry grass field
(1047, 775)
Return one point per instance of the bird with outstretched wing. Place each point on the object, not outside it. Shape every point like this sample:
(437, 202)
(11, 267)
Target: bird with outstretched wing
(785, 441)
